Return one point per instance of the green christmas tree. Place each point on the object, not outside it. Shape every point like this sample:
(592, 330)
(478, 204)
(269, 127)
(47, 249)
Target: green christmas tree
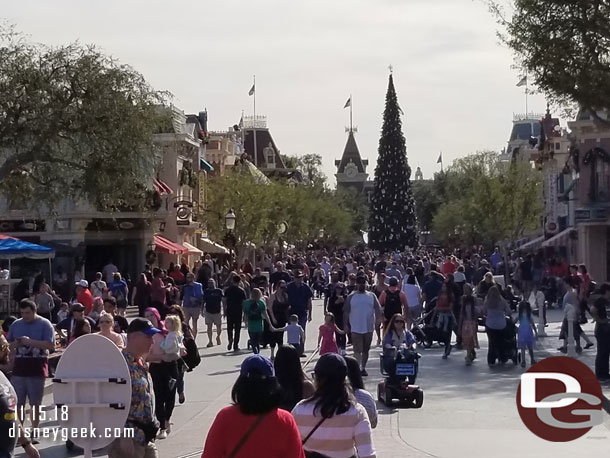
(392, 220)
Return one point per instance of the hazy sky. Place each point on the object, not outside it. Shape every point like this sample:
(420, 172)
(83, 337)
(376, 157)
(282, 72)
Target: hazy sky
(454, 81)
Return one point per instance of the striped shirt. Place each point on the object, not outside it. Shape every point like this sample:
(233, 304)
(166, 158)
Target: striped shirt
(365, 399)
(341, 436)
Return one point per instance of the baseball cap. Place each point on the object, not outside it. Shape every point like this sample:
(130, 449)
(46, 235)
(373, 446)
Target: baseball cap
(331, 364)
(258, 365)
(77, 307)
(393, 281)
(84, 283)
(142, 325)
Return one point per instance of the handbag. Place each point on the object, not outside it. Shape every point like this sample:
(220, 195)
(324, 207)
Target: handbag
(245, 437)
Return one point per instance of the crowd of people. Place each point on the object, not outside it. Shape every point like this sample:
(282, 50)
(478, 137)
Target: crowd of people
(367, 298)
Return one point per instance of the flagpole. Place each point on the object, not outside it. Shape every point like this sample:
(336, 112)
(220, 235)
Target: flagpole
(254, 125)
(351, 104)
(526, 106)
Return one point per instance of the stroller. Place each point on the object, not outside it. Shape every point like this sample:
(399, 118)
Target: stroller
(425, 329)
(508, 346)
(400, 368)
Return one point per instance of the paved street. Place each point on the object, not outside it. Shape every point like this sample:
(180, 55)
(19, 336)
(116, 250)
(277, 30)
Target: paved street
(467, 410)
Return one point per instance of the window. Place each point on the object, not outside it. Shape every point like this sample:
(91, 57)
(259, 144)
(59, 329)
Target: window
(557, 146)
(602, 180)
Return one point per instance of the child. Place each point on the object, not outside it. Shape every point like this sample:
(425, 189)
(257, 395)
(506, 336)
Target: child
(172, 345)
(294, 333)
(255, 314)
(468, 323)
(527, 329)
(326, 335)
(63, 312)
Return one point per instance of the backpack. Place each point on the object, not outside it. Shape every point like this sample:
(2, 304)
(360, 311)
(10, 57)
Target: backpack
(192, 357)
(392, 304)
(254, 311)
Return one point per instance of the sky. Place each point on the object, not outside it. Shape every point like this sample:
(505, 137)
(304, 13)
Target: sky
(455, 82)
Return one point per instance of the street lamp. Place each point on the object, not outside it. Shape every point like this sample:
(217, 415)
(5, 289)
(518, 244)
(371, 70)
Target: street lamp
(282, 228)
(425, 233)
(230, 220)
(321, 233)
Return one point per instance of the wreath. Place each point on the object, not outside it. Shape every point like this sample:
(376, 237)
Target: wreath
(594, 154)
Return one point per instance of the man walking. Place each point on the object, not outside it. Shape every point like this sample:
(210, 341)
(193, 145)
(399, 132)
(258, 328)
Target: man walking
(299, 298)
(192, 297)
(212, 299)
(141, 414)
(31, 337)
(361, 313)
(233, 299)
(599, 311)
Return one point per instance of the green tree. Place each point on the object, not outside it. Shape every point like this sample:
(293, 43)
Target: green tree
(488, 201)
(354, 203)
(392, 220)
(261, 207)
(564, 46)
(310, 165)
(74, 123)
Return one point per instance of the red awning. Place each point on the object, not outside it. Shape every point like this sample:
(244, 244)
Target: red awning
(161, 187)
(167, 246)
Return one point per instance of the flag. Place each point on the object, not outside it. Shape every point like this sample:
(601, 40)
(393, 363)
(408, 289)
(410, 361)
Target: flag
(440, 158)
(241, 121)
(523, 82)
(348, 103)
(252, 89)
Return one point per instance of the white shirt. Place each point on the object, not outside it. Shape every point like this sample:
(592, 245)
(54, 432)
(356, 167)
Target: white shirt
(459, 277)
(362, 312)
(413, 293)
(109, 270)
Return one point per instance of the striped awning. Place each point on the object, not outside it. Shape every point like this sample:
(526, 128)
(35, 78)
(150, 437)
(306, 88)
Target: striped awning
(560, 239)
(192, 249)
(532, 245)
(161, 187)
(167, 246)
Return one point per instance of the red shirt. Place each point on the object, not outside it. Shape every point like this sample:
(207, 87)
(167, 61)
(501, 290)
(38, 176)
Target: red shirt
(276, 436)
(86, 299)
(449, 268)
(177, 275)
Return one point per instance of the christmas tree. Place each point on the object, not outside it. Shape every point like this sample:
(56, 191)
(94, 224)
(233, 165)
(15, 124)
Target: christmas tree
(392, 221)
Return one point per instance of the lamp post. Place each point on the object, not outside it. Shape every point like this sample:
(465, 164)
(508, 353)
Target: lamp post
(425, 233)
(282, 227)
(229, 238)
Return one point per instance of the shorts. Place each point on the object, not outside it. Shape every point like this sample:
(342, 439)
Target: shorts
(212, 318)
(28, 388)
(191, 312)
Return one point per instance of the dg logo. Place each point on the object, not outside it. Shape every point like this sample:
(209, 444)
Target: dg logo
(559, 399)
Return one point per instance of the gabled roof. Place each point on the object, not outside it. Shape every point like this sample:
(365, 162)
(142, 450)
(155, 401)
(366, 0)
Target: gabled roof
(351, 153)
(263, 139)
